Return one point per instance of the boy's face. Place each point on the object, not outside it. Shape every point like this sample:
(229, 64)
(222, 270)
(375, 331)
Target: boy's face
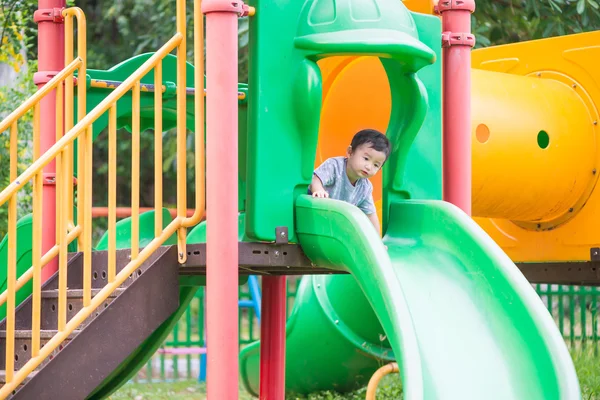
(364, 162)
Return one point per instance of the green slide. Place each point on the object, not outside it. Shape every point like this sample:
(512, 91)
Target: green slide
(444, 301)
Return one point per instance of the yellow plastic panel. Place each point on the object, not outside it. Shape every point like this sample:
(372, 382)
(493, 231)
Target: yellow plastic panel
(420, 6)
(525, 131)
(556, 183)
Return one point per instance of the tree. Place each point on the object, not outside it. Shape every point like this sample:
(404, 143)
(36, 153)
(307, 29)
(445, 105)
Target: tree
(508, 21)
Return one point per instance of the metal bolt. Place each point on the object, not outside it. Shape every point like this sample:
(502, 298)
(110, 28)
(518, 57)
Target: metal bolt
(180, 255)
(594, 171)
(276, 253)
(571, 209)
(595, 122)
(17, 183)
(282, 234)
(574, 86)
(337, 321)
(364, 344)
(539, 74)
(318, 286)
(539, 225)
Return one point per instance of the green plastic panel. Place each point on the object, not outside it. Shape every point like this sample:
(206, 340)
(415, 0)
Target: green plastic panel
(24, 260)
(417, 170)
(122, 71)
(460, 317)
(286, 40)
(146, 231)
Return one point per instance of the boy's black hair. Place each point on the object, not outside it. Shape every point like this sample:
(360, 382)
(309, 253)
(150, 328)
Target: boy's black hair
(376, 139)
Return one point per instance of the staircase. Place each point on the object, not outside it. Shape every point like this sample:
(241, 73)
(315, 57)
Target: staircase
(75, 329)
(103, 341)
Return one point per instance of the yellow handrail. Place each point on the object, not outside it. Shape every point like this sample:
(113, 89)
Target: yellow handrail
(62, 152)
(93, 115)
(200, 206)
(39, 95)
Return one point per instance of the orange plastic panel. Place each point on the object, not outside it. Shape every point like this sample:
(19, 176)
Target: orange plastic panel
(357, 96)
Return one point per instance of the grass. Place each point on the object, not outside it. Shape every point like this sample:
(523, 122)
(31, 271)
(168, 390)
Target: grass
(586, 363)
(588, 372)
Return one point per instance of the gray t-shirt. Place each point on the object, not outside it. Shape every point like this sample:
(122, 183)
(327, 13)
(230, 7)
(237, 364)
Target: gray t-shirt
(335, 181)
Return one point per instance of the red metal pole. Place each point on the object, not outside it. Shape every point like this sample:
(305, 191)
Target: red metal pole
(272, 336)
(51, 60)
(457, 41)
(222, 197)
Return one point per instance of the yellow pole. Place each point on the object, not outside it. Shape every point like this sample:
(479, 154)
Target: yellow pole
(11, 275)
(87, 222)
(60, 212)
(135, 172)
(36, 251)
(69, 104)
(181, 131)
(534, 157)
(112, 192)
(81, 112)
(199, 94)
(158, 152)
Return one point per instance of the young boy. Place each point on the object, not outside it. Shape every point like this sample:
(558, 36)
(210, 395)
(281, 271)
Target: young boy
(347, 178)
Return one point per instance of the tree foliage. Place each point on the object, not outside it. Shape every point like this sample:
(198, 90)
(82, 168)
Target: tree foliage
(508, 21)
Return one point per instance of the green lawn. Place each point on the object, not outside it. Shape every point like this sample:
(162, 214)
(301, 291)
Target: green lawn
(588, 370)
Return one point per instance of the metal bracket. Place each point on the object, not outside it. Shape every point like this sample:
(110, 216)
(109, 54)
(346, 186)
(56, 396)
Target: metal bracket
(281, 235)
(458, 39)
(595, 254)
(49, 14)
(49, 179)
(235, 6)
(456, 5)
(43, 77)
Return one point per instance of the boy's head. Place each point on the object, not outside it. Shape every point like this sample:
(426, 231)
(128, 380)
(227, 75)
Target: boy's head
(367, 153)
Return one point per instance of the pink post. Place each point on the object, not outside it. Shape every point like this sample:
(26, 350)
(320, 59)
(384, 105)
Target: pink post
(457, 41)
(222, 197)
(272, 336)
(51, 59)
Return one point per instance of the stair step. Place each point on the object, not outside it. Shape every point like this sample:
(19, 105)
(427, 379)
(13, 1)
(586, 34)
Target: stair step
(44, 334)
(78, 293)
(27, 379)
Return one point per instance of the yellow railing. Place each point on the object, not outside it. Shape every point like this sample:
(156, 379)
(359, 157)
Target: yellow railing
(62, 152)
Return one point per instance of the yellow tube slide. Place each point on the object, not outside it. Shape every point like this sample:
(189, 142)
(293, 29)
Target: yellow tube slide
(534, 149)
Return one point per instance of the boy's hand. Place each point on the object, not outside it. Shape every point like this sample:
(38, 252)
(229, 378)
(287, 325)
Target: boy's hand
(321, 194)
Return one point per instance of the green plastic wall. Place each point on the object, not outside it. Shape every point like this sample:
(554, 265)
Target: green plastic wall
(286, 40)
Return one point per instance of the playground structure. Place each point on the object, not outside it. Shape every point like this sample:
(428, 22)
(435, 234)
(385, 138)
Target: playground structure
(445, 301)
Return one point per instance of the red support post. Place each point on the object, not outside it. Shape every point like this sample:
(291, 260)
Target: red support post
(222, 197)
(51, 60)
(457, 42)
(272, 337)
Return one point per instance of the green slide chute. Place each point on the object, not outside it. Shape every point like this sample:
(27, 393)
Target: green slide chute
(450, 307)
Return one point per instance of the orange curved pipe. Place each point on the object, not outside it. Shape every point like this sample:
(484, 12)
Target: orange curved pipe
(390, 368)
